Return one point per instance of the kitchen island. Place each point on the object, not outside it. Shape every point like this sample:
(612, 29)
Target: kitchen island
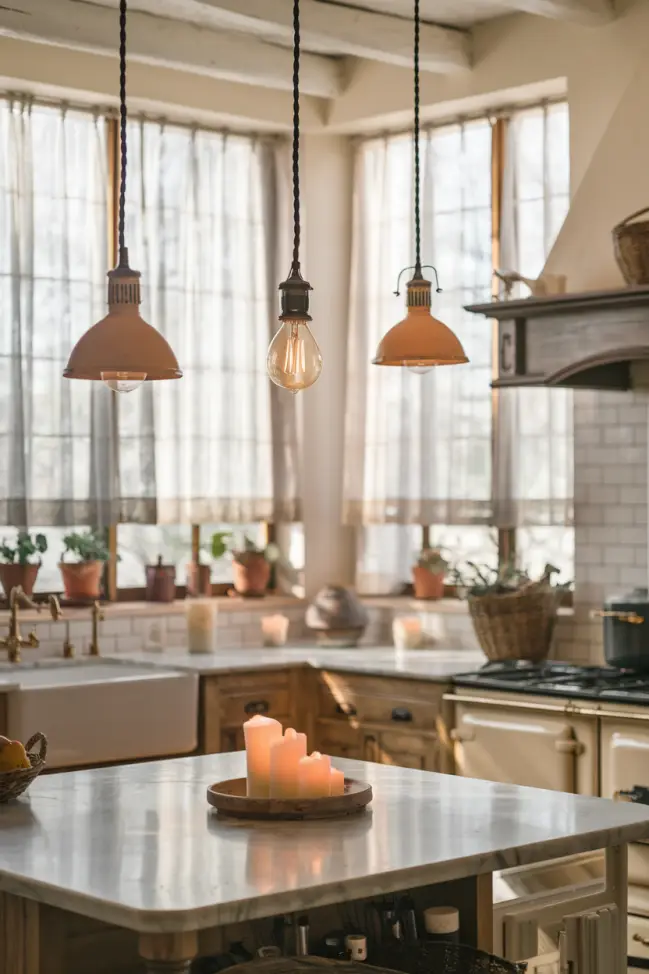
(99, 866)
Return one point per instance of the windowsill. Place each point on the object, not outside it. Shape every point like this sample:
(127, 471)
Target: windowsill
(118, 610)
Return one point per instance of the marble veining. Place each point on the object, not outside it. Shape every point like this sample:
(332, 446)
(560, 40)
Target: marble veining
(138, 846)
(436, 665)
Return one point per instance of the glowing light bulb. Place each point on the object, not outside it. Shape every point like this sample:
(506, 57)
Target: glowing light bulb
(294, 361)
(123, 381)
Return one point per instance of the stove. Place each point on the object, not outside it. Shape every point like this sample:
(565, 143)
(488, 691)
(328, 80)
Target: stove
(561, 680)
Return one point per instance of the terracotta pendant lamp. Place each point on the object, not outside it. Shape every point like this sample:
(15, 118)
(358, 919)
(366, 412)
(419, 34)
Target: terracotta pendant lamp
(420, 341)
(122, 350)
(294, 361)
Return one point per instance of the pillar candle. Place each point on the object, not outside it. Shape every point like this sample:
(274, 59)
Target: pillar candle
(314, 773)
(201, 625)
(337, 782)
(284, 757)
(259, 734)
(406, 632)
(274, 630)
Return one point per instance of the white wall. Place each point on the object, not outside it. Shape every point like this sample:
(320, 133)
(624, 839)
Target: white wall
(327, 193)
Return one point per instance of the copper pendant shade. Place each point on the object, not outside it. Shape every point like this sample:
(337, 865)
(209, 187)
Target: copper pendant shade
(122, 349)
(419, 341)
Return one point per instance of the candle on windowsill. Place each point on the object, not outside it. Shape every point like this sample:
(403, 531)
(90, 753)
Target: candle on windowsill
(274, 630)
(260, 733)
(200, 615)
(314, 776)
(406, 632)
(285, 755)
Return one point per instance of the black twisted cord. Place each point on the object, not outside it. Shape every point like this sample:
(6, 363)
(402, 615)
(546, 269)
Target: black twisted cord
(416, 146)
(122, 134)
(295, 267)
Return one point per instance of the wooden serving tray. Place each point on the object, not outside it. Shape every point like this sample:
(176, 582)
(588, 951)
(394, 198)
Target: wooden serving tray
(229, 798)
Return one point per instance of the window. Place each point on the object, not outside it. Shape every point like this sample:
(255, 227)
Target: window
(420, 450)
(201, 230)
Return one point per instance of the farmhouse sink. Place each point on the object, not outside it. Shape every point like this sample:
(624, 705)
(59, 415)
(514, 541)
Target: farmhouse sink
(102, 711)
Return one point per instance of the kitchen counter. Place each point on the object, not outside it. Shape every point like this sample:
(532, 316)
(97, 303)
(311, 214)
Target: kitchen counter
(437, 665)
(137, 846)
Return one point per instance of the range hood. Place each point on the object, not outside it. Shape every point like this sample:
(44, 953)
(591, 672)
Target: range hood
(593, 340)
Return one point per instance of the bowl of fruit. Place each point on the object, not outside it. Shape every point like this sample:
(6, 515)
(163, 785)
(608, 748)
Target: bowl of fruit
(20, 764)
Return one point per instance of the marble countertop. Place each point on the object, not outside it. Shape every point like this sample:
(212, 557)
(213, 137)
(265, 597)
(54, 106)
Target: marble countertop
(138, 846)
(422, 664)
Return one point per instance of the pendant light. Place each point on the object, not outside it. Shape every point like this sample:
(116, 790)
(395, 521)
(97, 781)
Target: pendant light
(122, 349)
(294, 361)
(420, 341)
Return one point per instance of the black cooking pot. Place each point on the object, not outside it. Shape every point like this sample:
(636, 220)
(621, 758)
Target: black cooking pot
(626, 630)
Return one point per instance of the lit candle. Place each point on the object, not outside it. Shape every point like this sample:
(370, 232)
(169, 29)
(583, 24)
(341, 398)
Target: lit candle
(260, 733)
(337, 782)
(201, 625)
(406, 632)
(284, 757)
(274, 630)
(314, 774)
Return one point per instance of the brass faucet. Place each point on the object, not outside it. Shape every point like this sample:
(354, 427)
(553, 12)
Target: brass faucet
(14, 641)
(97, 617)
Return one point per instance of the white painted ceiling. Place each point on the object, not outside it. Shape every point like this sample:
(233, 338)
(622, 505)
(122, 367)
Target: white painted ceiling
(454, 13)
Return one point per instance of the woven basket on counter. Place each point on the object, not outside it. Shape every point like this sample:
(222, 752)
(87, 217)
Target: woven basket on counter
(631, 247)
(516, 625)
(14, 783)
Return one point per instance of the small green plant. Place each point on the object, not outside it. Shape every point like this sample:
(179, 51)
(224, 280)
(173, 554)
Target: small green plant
(219, 544)
(26, 547)
(433, 561)
(248, 551)
(505, 580)
(87, 546)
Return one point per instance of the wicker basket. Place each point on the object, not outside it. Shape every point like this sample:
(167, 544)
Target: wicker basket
(14, 783)
(631, 248)
(519, 625)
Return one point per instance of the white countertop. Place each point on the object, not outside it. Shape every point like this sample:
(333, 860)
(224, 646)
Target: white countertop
(138, 845)
(422, 664)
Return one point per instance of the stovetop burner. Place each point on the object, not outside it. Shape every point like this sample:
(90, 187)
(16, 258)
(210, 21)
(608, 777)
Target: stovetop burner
(560, 679)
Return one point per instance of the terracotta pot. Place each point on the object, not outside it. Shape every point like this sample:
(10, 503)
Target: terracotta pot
(426, 584)
(251, 578)
(23, 575)
(199, 580)
(82, 580)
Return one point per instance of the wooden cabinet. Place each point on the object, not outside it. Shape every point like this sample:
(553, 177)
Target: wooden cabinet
(380, 719)
(228, 701)
(367, 718)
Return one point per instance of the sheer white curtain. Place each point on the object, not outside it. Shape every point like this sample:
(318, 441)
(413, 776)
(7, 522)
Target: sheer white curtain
(201, 226)
(418, 448)
(56, 461)
(534, 443)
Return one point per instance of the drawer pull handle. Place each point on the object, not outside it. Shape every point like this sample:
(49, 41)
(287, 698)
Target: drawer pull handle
(348, 709)
(402, 714)
(257, 707)
(639, 939)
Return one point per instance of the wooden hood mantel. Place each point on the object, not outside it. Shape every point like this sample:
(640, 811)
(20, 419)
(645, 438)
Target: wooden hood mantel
(593, 340)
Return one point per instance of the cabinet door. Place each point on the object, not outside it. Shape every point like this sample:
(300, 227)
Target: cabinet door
(409, 750)
(338, 740)
(232, 739)
(517, 746)
(625, 763)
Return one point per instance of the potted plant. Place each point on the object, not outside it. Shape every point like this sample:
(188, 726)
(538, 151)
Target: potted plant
(199, 576)
(513, 615)
(82, 578)
(429, 573)
(251, 567)
(17, 566)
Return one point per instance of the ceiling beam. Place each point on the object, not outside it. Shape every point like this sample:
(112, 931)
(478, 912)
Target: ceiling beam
(167, 43)
(328, 27)
(580, 11)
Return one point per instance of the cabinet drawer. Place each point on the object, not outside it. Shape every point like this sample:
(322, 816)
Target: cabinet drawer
(638, 937)
(407, 750)
(339, 739)
(377, 710)
(238, 683)
(267, 701)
